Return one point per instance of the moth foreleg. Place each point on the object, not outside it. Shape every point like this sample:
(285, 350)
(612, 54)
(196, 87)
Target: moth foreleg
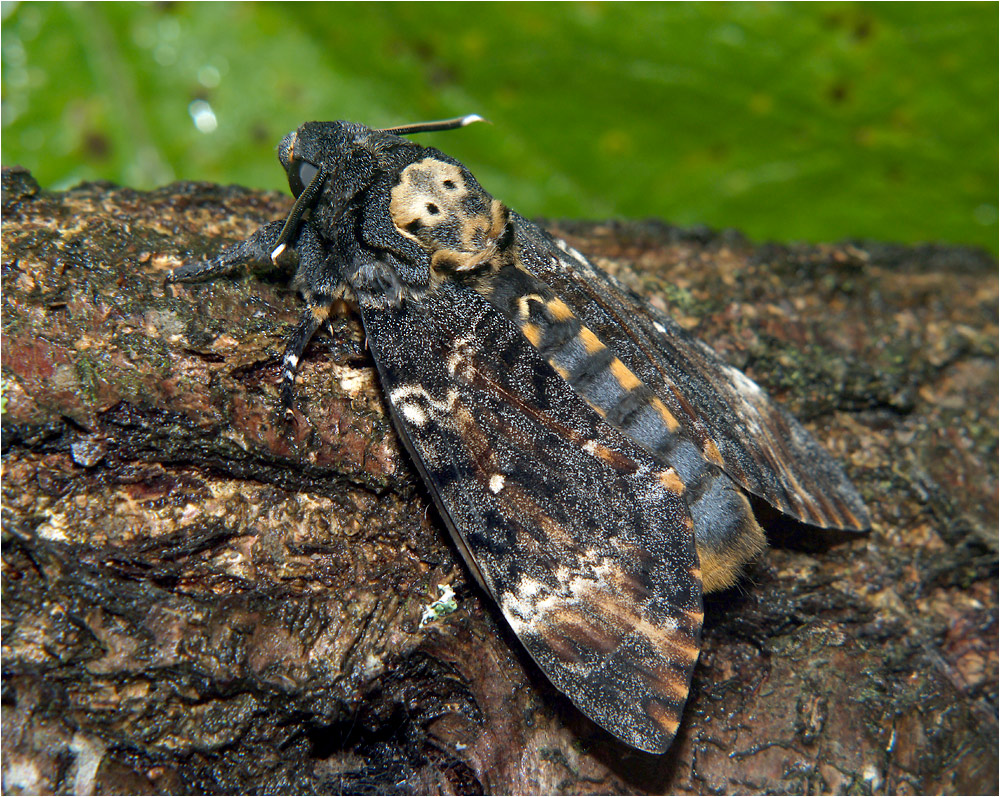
(255, 249)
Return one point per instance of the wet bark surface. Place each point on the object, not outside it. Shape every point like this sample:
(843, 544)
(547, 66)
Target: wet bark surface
(200, 596)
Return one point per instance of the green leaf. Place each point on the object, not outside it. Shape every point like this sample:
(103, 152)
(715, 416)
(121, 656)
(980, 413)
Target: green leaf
(787, 121)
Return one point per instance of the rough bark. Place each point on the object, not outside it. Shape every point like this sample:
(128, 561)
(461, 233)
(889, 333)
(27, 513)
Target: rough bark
(199, 596)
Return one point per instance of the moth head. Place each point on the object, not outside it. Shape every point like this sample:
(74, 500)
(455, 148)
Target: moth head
(317, 149)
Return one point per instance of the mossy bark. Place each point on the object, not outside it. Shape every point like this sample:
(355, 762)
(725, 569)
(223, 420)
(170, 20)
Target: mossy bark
(200, 596)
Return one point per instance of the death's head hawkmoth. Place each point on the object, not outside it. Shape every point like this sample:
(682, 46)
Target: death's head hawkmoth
(591, 459)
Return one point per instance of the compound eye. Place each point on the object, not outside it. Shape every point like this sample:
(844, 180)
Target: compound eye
(300, 174)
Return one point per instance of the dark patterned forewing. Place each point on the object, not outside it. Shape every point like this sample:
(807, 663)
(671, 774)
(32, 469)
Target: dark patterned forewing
(761, 445)
(568, 524)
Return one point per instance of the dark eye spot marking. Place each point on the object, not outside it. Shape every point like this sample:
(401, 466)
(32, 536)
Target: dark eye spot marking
(449, 184)
(433, 209)
(414, 226)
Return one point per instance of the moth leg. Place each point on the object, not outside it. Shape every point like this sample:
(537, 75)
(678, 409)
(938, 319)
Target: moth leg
(315, 315)
(255, 249)
(321, 287)
(265, 244)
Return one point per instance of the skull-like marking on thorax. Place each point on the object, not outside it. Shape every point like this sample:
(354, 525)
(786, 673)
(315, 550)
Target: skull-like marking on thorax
(434, 205)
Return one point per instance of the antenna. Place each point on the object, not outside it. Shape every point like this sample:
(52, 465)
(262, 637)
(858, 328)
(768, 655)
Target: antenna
(430, 127)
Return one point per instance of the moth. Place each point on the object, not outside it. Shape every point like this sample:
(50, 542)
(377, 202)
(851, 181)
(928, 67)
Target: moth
(590, 458)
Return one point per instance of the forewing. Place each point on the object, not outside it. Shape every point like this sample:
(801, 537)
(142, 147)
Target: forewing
(762, 446)
(568, 524)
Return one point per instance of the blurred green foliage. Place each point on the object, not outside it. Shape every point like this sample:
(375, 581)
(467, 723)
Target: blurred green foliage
(787, 121)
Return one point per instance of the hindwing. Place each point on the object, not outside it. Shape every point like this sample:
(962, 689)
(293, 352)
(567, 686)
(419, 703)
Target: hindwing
(572, 528)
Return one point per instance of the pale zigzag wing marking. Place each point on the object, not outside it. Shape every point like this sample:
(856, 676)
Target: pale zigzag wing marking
(762, 446)
(563, 518)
